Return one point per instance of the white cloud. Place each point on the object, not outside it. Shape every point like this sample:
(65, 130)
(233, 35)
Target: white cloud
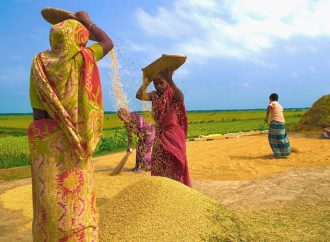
(235, 28)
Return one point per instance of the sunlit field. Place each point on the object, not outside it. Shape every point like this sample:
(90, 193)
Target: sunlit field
(240, 192)
(14, 146)
(247, 169)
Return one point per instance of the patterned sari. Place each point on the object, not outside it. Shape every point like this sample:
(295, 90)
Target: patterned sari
(146, 134)
(169, 150)
(67, 81)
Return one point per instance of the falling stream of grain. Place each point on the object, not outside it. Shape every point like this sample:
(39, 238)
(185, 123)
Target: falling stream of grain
(117, 88)
(120, 98)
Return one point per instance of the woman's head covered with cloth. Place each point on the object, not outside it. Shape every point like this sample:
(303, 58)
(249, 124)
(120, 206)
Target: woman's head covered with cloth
(67, 81)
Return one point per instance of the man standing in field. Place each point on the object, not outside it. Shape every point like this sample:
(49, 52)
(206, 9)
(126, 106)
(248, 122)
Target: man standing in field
(277, 136)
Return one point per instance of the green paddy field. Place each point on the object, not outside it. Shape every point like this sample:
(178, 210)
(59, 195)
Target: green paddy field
(14, 145)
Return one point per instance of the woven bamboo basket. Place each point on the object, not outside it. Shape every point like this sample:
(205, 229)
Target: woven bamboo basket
(170, 62)
(55, 16)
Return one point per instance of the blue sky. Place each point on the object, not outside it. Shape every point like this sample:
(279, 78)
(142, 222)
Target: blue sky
(238, 51)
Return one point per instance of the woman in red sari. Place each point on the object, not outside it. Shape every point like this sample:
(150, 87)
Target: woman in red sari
(66, 97)
(168, 110)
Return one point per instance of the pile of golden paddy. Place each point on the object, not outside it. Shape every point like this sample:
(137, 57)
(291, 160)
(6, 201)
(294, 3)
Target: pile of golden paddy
(160, 209)
(144, 208)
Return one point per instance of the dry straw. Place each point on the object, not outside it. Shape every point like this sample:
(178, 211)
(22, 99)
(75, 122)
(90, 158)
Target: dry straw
(317, 117)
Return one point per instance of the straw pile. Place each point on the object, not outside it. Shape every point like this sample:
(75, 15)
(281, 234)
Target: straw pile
(160, 209)
(317, 117)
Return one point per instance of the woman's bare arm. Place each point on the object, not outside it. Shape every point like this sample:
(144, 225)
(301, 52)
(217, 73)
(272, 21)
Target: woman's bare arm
(142, 94)
(102, 38)
(267, 115)
(167, 75)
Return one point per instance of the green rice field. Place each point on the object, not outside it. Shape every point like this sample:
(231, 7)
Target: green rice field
(14, 146)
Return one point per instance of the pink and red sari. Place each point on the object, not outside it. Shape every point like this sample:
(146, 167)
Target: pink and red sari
(67, 81)
(145, 131)
(169, 149)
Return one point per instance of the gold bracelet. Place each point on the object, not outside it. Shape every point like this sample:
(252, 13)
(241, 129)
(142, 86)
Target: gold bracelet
(89, 27)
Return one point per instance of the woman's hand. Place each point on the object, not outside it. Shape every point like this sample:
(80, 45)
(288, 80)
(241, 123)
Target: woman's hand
(146, 81)
(142, 94)
(167, 75)
(83, 17)
(100, 36)
(266, 120)
(129, 149)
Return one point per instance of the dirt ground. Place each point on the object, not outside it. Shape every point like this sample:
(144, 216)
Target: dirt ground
(239, 172)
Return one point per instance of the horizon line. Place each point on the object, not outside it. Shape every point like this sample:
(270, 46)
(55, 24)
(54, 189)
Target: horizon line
(193, 110)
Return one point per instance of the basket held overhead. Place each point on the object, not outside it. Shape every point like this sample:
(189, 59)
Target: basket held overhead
(170, 62)
(55, 16)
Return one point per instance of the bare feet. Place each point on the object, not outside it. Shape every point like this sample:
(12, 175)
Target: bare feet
(279, 157)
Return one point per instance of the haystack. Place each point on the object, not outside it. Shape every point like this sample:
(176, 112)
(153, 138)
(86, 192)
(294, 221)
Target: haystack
(317, 117)
(160, 209)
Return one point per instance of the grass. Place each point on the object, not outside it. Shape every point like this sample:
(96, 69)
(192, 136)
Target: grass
(226, 116)
(223, 127)
(12, 132)
(14, 147)
(113, 141)
(15, 121)
(14, 151)
(15, 173)
(21, 122)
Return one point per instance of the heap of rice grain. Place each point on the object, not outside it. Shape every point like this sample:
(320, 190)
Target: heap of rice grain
(317, 117)
(160, 209)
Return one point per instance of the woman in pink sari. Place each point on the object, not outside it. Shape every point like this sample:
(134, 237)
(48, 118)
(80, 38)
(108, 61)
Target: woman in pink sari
(168, 110)
(66, 97)
(145, 131)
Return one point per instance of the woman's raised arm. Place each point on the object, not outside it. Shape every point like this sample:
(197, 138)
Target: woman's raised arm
(102, 38)
(142, 94)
